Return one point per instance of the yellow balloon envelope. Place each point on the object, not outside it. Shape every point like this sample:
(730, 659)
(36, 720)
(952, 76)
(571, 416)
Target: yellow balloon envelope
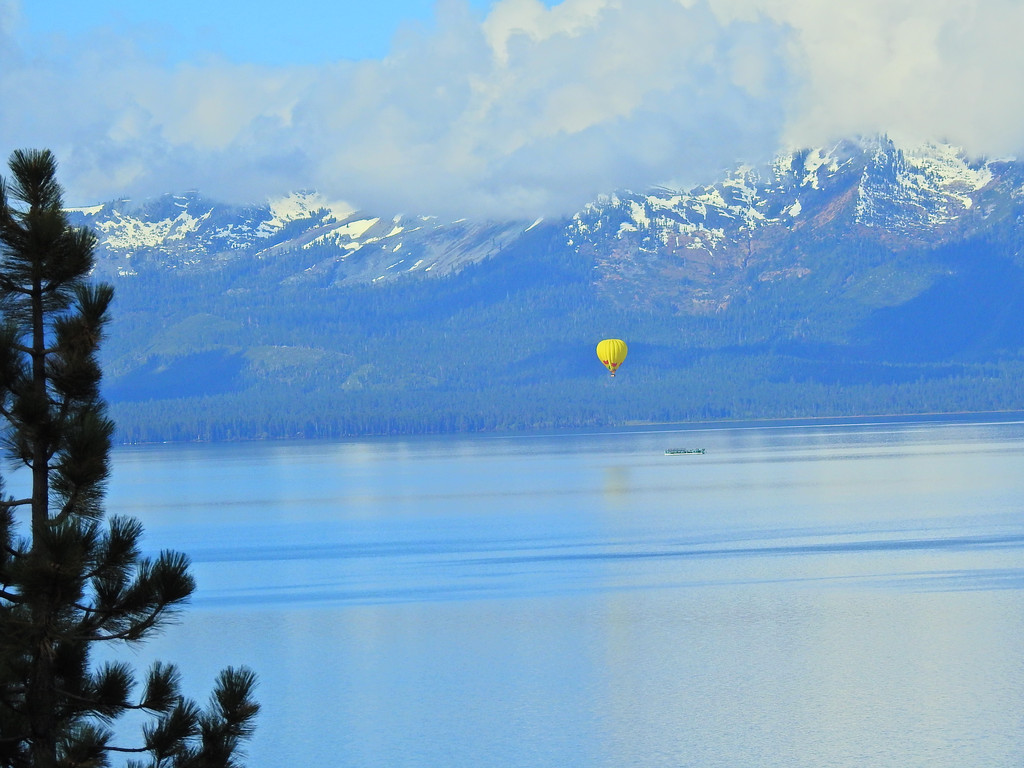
(612, 352)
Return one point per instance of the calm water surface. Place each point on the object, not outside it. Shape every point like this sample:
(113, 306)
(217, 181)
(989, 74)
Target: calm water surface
(827, 595)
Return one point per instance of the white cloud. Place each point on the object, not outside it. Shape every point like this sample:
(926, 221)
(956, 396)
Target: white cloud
(533, 19)
(923, 69)
(531, 111)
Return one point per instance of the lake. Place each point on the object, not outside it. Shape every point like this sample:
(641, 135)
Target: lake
(802, 595)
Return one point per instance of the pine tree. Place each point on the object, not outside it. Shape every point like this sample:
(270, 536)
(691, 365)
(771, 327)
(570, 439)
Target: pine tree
(70, 578)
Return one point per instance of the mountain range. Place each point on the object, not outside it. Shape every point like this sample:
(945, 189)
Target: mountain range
(862, 278)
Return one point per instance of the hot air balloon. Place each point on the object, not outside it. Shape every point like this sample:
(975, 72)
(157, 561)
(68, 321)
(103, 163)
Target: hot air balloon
(612, 352)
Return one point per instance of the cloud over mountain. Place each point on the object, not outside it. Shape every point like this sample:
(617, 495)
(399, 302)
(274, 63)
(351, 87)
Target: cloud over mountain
(531, 110)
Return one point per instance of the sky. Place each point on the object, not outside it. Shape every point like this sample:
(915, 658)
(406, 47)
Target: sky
(488, 108)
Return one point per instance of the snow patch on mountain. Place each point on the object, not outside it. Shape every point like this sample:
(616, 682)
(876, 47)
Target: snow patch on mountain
(122, 232)
(301, 205)
(913, 190)
(639, 214)
(347, 235)
(88, 210)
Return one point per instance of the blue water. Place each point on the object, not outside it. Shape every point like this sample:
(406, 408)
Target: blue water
(800, 595)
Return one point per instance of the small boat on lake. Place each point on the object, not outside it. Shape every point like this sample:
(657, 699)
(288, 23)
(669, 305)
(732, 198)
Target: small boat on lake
(683, 451)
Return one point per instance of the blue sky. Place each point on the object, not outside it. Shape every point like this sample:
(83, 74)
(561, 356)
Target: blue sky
(256, 31)
(488, 107)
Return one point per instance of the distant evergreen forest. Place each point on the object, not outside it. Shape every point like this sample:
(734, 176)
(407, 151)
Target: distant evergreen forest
(240, 350)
